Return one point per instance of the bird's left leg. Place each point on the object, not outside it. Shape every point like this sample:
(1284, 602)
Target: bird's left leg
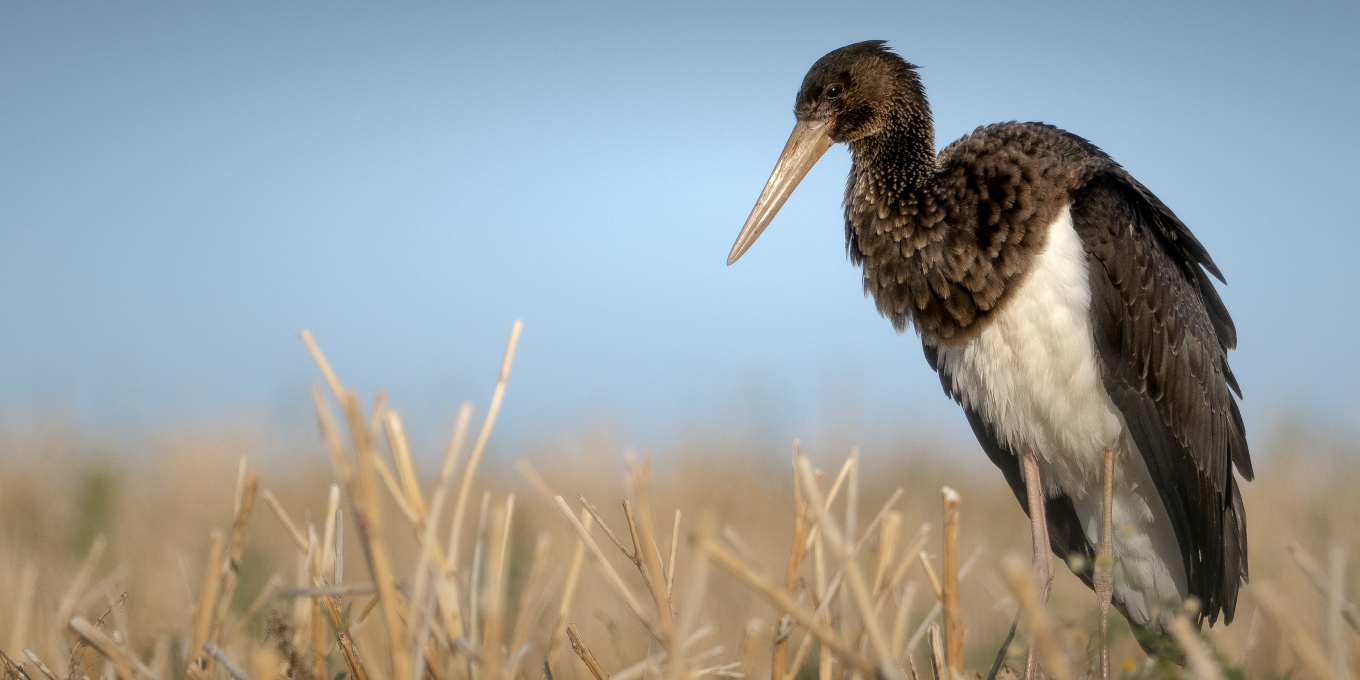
(1103, 576)
(1043, 551)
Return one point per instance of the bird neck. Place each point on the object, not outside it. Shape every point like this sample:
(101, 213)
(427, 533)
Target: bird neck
(893, 182)
(895, 209)
(901, 157)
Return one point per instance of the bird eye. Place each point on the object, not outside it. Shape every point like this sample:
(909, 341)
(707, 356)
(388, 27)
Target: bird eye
(833, 91)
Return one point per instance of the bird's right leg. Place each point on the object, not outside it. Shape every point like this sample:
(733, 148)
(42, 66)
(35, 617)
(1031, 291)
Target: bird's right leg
(1103, 574)
(1043, 553)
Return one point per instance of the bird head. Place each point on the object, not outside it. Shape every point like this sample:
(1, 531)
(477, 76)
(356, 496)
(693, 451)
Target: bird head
(853, 90)
(851, 94)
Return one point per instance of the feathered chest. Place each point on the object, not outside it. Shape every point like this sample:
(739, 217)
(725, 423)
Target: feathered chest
(945, 254)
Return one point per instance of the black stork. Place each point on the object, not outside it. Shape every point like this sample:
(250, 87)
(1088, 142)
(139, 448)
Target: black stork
(1066, 309)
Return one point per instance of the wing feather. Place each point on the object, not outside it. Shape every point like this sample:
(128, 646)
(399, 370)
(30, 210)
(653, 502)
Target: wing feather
(1162, 335)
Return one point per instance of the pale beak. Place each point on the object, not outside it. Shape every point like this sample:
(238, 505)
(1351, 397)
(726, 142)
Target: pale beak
(807, 144)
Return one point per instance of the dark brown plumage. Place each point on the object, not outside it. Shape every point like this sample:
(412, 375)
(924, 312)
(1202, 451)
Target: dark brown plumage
(946, 240)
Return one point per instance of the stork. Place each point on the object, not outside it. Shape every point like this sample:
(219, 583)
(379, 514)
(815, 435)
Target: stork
(1067, 310)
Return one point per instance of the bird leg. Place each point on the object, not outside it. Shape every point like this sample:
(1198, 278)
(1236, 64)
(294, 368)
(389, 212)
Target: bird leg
(1103, 576)
(1043, 553)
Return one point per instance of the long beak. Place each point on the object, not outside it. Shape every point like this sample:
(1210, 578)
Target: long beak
(807, 144)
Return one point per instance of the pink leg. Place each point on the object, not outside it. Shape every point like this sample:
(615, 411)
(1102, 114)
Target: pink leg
(1103, 577)
(1043, 553)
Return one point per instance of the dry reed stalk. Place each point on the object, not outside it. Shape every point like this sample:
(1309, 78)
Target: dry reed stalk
(368, 512)
(101, 588)
(398, 495)
(272, 586)
(516, 658)
(302, 607)
(1201, 662)
(578, 646)
(493, 656)
(335, 446)
(1025, 586)
(339, 554)
(879, 517)
(328, 532)
(749, 647)
(321, 363)
(781, 599)
(844, 549)
(66, 607)
(930, 575)
(830, 495)
(456, 526)
(694, 599)
(120, 633)
(889, 532)
(344, 590)
(230, 666)
(953, 614)
(318, 627)
(1322, 583)
(248, 483)
(446, 592)
(898, 637)
(918, 541)
(887, 544)
(939, 605)
(42, 667)
(797, 551)
(900, 622)
(127, 664)
(534, 597)
(207, 597)
(645, 546)
(406, 469)
(608, 568)
(670, 560)
(23, 605)
(569, 589)
(938, 665)
(800, 654)
(476, 570)
(604, 526)
(379, 409)
(852, 496)
(822, 596)
(805, 646)
(12, 669)
(293, 532)
(651, 664)
(1307, 651)
(344, 640)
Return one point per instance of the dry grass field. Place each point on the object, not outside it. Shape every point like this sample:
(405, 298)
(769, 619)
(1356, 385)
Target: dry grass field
(711, 563)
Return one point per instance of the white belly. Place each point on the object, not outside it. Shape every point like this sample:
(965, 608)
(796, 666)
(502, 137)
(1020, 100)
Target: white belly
(1033, 373)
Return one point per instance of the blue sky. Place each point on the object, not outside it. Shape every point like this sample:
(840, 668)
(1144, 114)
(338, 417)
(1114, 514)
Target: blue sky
(185, 186)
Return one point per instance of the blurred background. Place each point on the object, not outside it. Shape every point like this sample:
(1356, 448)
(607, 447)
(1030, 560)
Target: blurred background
(184, 187)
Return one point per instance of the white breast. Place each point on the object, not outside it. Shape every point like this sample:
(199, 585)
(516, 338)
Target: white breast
(1033, 373)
